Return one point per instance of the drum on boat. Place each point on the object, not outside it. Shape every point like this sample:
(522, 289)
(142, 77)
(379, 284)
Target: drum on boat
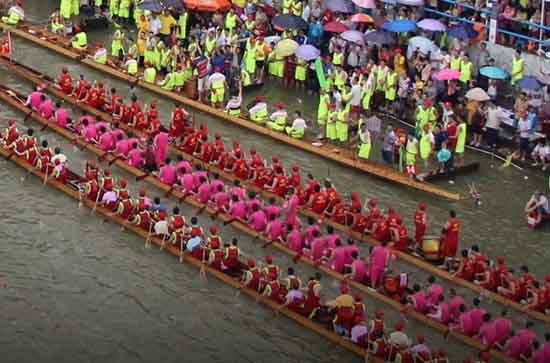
(431, 247)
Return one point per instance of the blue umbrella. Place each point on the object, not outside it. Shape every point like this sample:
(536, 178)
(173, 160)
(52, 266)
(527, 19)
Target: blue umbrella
(461, 32)
(340, 6)
(399, 26)
(287, 21)
(380, 37)
(529, 83)
(151, 5)
(493, 72)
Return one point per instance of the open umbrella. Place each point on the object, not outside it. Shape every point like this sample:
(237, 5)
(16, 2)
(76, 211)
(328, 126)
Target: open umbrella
(335, 27)
(286, 47)
(153, 6)
(307, 52)
(493, 72)
(422, 44)
(365, 4)
(288, 21)
(380, 37)
(361, 18)
(399, 26)
(447, 74)
(432, 25)
(207, 5)
(340, 6)
(411, 2)
(529, 83)
(477, 94)
(353, 36)
(461, 32)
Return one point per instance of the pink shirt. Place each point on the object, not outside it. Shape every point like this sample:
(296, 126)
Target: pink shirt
(465, 321)
(122, 147)
(502, 329)
(488, 333)
(273, 210)
(514, 347)
(309, 232)
(454, 306)
(476, 316)
(251, 203)
(317, 248)
(106, 141)
(135, 158)
(184, 166)
(238, 191)
(222, 200)
(338, 259)
(215, 185)
(294, 240)
(379, 256)
(238, 210)
(258, 220)
(275, 229)
(204, 193)
(331, 240)
(46, 108)
(90, 133)
(420, 302)
(117, 132)
(102, 124)
(526, 337)
(61, 117)
(435, 291)
(360, 270)
(349, 251)
(188, 182)
(167, 174)
(197, 177)
(35, 99)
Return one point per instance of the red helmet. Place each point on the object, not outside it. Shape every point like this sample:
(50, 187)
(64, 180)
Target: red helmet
(106, 171)
(251, 262)
(295, 167)
(162, 215)
(217, 135)
(379, 314)
(422, 206)
(11, 122)
(123, 183)
(142, 193)
(213, 229)
(269, 259)
(358, 296)
(252, 151)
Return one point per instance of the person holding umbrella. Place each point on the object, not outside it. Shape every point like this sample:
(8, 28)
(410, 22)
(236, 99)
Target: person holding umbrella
(518, 65)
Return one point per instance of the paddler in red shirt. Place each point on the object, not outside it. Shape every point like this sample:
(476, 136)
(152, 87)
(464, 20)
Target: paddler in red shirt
(44, 156)
(466, 269)
(219, 146)
(10, 134)
(450, 237)
(310, 186)
(295, 176)
(82, 88)
(251, 277)
(191, 143)
(399, 235)
(525, 282)
(178, 121)
(113, 106)
(65, 81)
(419, 223)
(206, 152)
(92, 97)
(313, 296)
(240, 168)
(256, 160)
(279, 183)
(373, 212)
(332, 194)
(511, 288)
(318, 201)
(152, 111)
(136, 106)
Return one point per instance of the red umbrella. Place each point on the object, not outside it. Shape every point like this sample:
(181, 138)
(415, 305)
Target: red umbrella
(208, 5)
(361, 18)
(335, 27)
(379, 21)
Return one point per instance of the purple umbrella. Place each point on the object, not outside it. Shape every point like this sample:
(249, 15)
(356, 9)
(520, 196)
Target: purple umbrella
(307, 52)
(411, 2)
(380, 37)
(340, 6)
(353, 36)
(433, 25)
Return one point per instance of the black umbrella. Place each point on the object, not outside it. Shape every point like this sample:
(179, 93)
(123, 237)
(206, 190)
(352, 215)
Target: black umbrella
(157, 6)
(287, 21)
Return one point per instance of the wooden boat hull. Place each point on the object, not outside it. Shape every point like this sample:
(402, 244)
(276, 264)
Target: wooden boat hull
(327, 151)
(451, 173)
(244, 227)
(36, 78)
(309, 324)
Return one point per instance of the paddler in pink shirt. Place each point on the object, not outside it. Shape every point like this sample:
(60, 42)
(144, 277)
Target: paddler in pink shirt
(503, 328)
(272, 208)
(476, 315)
(221, 201)
(61, 116)
(418, 300)
(35, 98)
(46, 107)
(294, 239)
(198, 174)
(318, 246)
(237, 209)
(183, 166)
(378, 260)
(106, 141)
(358, 268)
(238, 190)
(441, 311)
(350, 249)
(291, 206)
(257, 219)
(331, 237)
(464, 324)
(338, 257)
(253, 202)
(526, 337)
(454, 304)
(135, 157)
(487, 333)
(204, 192)
(434, 291)
(84, 121)
(274, 229)
(167, 172)
(89, 133)
(160, 143)
(310, 229)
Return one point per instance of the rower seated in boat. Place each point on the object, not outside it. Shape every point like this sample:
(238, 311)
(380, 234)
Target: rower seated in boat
(312, 302)
(537, 209)
(418, 300)
(539, 297)
(231, 257)
(178, 122)
(15, 14)
(65, 82)
(278, 118)
(398, 342)
(176, 226)
(80, 40)
(272, 291)
(258, 113)
(23, 143)
(294, 298)
(43, 157)
(10, 134)
(344, 312)
(298, 127)
(396, 285)
(125, 206)
(251, 276)
(399, 236)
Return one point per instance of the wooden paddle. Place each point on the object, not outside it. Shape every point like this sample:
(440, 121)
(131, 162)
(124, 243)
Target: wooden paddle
(148, 239)
(96, 200)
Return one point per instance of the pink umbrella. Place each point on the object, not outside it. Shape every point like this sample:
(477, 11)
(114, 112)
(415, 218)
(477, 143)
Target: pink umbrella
(335, 27)
(447, 74)
(353, 36)
(433, 25)
(366, 4)
(361, 18)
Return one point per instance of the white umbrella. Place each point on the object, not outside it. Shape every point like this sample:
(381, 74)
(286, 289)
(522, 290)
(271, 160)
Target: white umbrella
(423, 44)
(477, 94)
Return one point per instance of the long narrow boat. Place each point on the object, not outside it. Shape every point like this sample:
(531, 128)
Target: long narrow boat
(44, 38)
(38, 79)
(72, 192)
(10, 98)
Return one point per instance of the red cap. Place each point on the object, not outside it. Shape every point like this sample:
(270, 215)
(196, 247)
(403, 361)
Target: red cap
(213, 229)
(358, 319)
(420, 338)
(547, 278)
(251, 262)
(427, 102)
(372, 203)
(259, 98)
(99, 45)
(344, 289)
(448, 104)
(275, 159)
(500, 260)
(422, 206)
(280, 105)
(107, 171)
(162, 215)
(124, 194)
(295, 167)
(379, 314)
(123, 183)
(217, 135)
(268, 259)
(11, 122)
(142, 193)
(400, 325)
(332, 106)
(57, 162)
(252, 151)
(358, 296)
